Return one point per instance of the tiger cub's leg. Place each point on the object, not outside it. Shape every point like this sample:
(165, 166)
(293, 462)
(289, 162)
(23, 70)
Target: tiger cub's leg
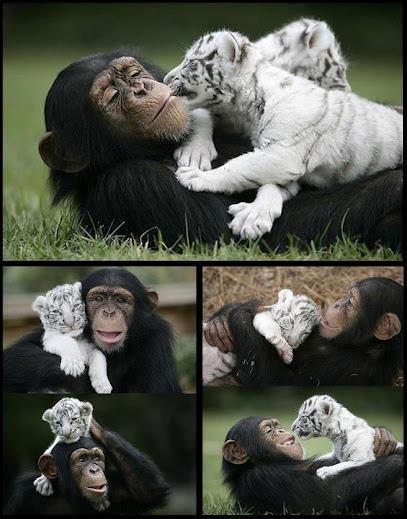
(267, 327)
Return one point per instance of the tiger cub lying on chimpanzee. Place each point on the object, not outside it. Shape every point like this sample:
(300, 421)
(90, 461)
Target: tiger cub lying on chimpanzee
(285, 324)
(300, 132)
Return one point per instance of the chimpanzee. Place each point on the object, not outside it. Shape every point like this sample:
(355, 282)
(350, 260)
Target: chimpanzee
(264, 468)
(123, 323)
(87, 476)
(112, 128)
(359, 341)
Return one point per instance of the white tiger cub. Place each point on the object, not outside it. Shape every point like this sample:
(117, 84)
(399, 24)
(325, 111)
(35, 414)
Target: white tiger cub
(351, 436)
(63, 316)
(299, 131)
(305, 48)
(285, 324)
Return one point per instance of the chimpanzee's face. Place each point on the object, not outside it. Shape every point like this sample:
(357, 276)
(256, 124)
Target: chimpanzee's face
(277, 438)
(341, 315)
(110, 311)
(133, 103)
(88, 470)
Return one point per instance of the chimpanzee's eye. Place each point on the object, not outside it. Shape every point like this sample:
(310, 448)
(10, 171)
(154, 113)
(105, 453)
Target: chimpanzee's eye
(120, 300)
(82, 459)
(98, 299)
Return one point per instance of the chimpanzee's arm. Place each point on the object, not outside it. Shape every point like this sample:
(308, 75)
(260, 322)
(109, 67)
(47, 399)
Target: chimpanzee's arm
(153, 369)
(28, 368)
(367, 485)
(136, 478)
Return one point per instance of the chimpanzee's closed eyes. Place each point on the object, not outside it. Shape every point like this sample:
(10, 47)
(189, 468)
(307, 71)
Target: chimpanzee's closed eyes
(111, 132)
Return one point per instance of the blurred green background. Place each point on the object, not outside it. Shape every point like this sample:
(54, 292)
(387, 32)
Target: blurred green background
(41, 39)
(162, 426)
(223, 408)
(178, 304)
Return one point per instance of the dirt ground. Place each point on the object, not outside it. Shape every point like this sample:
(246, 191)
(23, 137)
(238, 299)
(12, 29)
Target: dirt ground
(222, 285)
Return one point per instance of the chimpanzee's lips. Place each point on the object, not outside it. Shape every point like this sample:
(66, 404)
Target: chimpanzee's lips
(324, 322)
(288, 441)
(98, 489)
(164, 106)
(109, 337)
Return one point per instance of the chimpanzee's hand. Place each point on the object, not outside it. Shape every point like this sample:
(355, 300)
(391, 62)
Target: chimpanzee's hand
(217, 334)
(97, 432)
(384, 442)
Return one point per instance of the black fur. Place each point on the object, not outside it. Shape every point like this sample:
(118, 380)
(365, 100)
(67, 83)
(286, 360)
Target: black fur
(129, 188)
(353, 358)
(272, 482)
(145, 364)
(134, 481)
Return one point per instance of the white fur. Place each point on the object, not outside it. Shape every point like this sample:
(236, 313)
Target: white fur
(64, 336)
(351, 436)
(304, 133)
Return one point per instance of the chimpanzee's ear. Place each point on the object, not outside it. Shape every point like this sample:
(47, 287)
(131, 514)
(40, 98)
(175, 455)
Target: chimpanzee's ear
(39, 304)
(86, 409)
(153, 297)
(388, 326)
(46, 466)
(232, 45)
(234, 453)
(319, 36)
(48, 415)
(59, 157)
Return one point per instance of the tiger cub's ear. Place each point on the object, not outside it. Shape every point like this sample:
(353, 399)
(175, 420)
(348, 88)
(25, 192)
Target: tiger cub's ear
(232, 45)
(86, 409)
(285, 295)
(40, 304)
(319, 37)
(48, 416)
(77, 286)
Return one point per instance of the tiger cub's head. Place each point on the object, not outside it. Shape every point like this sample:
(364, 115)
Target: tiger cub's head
(296, 315)
(315, 417)
(203, 76)
(69, 418)
(308, 48)
(62, 309)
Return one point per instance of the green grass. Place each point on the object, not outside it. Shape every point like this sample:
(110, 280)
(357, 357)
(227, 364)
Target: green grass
(34, 230)
(217, 423)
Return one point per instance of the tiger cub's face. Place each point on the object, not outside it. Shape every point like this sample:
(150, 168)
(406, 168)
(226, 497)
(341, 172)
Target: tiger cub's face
(69, 418)
(296, 315)
(62, 309)
(201, 78)
(314, 417)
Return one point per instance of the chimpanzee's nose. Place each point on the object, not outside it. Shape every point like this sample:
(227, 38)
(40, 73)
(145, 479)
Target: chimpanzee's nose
(139, 89)
(109, 312)
(94, 470)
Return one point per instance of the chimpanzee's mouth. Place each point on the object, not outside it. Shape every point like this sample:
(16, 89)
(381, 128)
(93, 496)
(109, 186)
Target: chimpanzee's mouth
(288, 441)
(324, 322)
(98, 489)
(163, 107)
(109, 337)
